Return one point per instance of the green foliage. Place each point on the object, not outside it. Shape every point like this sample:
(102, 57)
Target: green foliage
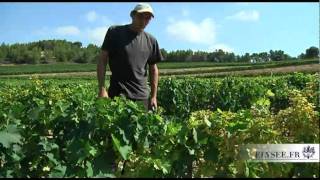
(185, 95)
(52, 128)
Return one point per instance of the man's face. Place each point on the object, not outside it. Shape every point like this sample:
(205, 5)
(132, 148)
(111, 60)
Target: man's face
(142, 19)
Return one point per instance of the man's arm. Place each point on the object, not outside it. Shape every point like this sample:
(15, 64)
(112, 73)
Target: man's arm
(154, 75)
(101, 72)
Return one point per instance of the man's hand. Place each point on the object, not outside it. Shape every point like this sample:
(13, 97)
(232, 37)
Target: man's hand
(101, 71)
(103, 93)
(153, 103)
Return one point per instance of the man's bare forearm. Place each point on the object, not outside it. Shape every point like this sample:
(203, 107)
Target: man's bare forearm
(101, 69)
(154, 77)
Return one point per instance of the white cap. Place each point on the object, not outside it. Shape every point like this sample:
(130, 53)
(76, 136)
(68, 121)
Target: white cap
(143, 7)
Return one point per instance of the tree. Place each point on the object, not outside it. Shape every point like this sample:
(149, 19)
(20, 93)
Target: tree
(200, 56)
(312, 52)
(81, 56)
(264, 56)
(277, 55)
(229, 57)
(35, 55)
(60, 54)
(164, 53)
(22, 54)
(218, 56)
(245, 58)
(77, 44)
(301, 56)
(92, 52)
(3, 52)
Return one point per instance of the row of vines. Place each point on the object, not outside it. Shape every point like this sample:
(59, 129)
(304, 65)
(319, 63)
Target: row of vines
(52, 128)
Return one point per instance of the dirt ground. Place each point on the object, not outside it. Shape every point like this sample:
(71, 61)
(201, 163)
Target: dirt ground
(265, 71)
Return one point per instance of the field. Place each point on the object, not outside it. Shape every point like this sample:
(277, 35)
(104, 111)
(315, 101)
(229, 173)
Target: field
(54, 126)
(167, 68)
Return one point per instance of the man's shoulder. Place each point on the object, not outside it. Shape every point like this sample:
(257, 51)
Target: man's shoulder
(150, 36)
(116, 27)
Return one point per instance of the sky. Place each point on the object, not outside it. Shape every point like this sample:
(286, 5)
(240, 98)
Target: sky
(206, 26)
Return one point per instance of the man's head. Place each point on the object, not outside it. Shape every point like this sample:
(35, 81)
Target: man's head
(141, 15)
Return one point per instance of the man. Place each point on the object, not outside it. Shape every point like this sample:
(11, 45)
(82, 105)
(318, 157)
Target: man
(129, 49)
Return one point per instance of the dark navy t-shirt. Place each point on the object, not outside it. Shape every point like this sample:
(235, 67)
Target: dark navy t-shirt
(129, 53)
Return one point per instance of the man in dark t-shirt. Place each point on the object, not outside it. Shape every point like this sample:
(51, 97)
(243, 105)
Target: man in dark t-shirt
(129, 50)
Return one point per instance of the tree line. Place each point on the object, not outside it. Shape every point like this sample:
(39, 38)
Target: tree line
(52, 51)
(48, 51)
(222, 56)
